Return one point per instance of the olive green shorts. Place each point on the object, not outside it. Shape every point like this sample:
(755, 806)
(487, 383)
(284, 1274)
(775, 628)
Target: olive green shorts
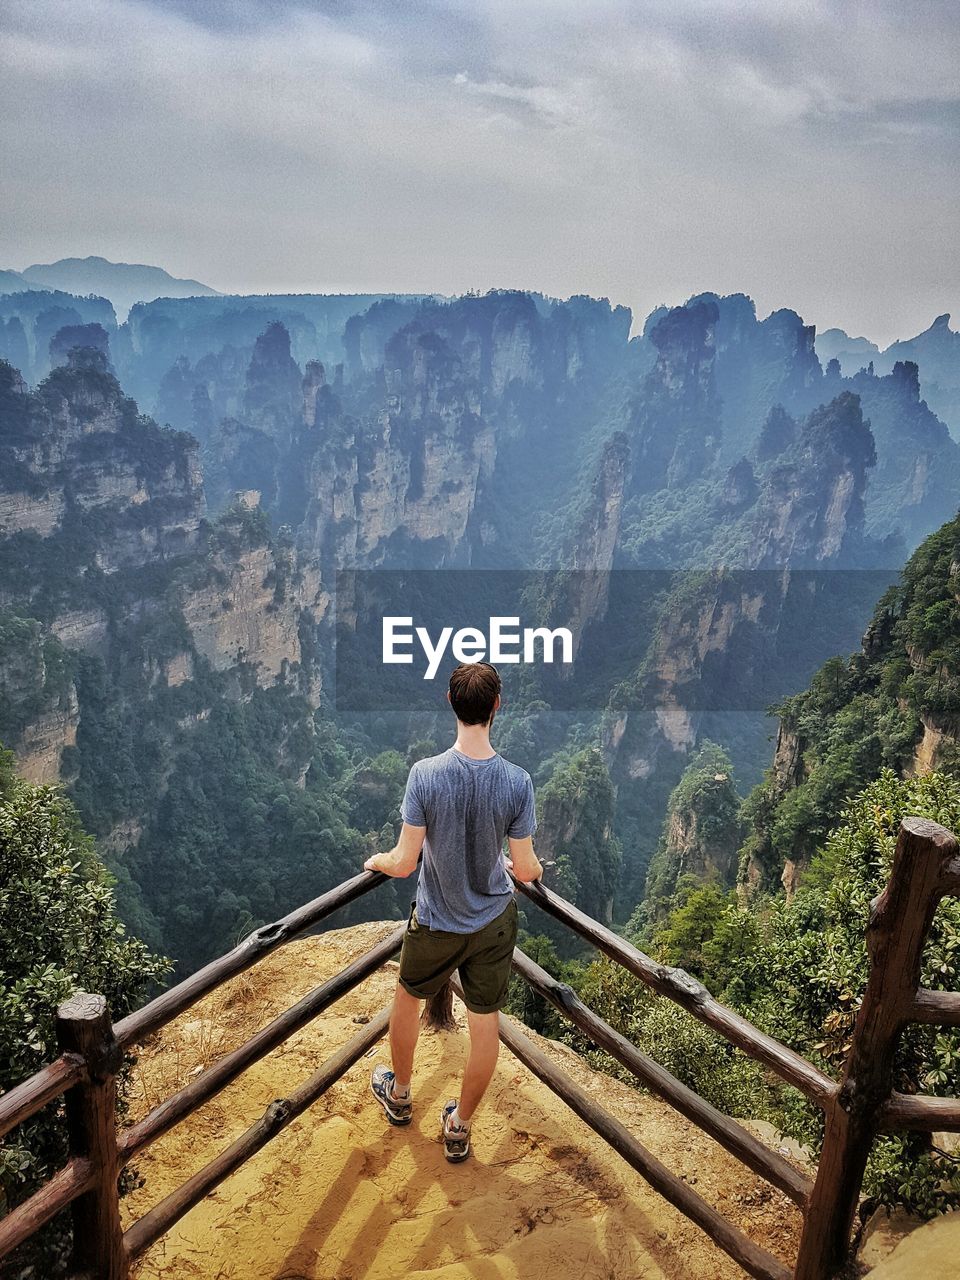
(429, 956)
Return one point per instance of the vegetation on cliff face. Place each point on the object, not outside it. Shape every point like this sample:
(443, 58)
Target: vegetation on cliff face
(701, 832)
(59, 934)
(576, 832)
(236, 841)
(872, 740)
(137, 629)
(894, 704)
(35, 673)
(798, 969)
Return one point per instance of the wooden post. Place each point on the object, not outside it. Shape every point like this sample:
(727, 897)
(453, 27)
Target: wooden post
(899, 922)
(84, 1028)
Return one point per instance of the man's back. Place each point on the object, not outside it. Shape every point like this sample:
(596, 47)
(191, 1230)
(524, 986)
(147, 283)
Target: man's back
(468, 806)
(458, 808)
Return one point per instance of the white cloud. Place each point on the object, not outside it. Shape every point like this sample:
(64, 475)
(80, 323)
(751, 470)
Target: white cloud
(802, 152)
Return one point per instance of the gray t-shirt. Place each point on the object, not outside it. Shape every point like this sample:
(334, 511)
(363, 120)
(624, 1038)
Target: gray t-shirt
(468, 807)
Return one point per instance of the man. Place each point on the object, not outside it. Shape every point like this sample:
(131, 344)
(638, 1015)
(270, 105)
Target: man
(458, 808)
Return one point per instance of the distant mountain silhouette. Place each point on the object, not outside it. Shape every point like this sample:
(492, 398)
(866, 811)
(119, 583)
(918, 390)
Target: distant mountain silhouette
(936, 352)
(13, 282)
(124, 283)
(853, 353)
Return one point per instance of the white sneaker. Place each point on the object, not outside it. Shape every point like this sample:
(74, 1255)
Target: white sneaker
(382, 1083)
(456, 1140)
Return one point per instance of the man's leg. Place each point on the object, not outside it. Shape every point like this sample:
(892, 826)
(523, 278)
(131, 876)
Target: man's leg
(404, 1030)
(484, 1049)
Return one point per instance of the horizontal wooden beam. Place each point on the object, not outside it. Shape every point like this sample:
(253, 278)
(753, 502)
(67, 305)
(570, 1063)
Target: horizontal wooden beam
(942, 1008)
(73, 1180)
(227, 1068)
(755, 1261)
(28, 1097)
(136, 1026)
(678, 986)
(277, 1116)
(724, 1130)
(920, 1111)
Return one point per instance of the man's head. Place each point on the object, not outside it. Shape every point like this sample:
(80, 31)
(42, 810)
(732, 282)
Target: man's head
(474, 692)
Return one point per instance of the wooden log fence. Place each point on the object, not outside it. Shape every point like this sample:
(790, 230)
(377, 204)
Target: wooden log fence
(678, 986)
(728, 1133)
(897, 930)
(755, 1261)
(862, 1104)
(86, 1073)
(225, 1069)
(276, 1117)
(137, 1026)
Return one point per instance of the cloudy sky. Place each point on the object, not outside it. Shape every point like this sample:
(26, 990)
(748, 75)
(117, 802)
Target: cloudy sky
(805, 153)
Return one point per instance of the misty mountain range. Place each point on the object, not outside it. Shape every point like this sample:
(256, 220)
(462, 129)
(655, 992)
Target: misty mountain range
(122, 283)
(936, 350)
(167, 595)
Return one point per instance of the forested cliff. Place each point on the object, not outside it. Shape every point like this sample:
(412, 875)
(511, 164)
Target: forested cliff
(685, 497)
(766, 897)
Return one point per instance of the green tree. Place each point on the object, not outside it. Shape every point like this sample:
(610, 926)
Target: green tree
(374, 789)
(524, 1003)
(814, 958)
(712, 938)
(59, 934)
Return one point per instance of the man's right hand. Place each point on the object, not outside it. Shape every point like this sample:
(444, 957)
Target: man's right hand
(523, 863)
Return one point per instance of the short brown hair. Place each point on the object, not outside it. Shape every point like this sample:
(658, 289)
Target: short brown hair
(474, 689)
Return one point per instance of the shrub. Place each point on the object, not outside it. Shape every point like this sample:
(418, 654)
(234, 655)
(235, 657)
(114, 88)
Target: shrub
(59, 934)
(798, 970)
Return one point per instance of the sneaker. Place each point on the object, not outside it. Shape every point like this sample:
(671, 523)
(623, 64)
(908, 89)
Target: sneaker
(382, 1083)
(456, 1141)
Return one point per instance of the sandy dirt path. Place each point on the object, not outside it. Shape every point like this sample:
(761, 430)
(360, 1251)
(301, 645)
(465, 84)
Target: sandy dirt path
(340, 1195)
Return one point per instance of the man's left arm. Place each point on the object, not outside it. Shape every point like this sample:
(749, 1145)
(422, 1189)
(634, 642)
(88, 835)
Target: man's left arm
(401, 861)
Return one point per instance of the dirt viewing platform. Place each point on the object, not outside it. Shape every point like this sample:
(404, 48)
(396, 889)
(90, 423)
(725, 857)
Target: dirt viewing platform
(340, 1195)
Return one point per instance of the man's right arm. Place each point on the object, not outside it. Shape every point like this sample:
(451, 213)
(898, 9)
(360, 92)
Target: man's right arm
(523, 862)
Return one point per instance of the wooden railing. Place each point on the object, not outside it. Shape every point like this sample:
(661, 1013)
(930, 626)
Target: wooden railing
(86, 1072)
(863, 1103)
